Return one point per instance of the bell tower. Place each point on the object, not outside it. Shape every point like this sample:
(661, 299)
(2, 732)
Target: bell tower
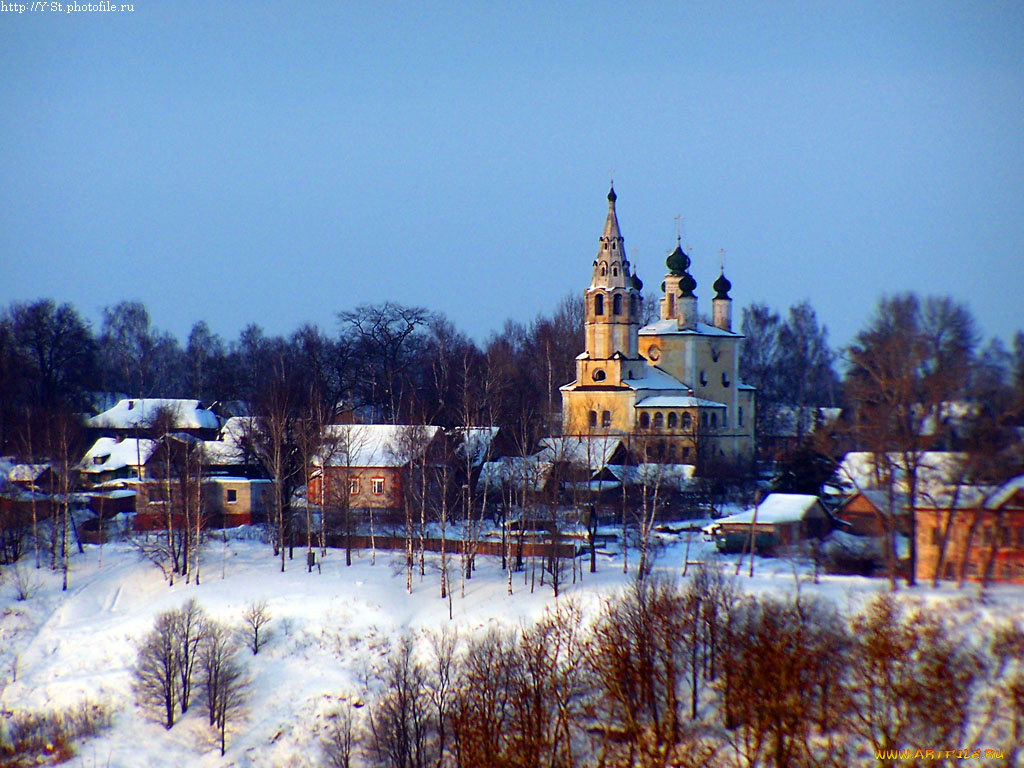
(611, 309)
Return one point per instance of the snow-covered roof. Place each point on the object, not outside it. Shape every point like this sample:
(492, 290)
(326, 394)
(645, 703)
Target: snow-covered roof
(228, 449)
(475, 442)
(659, 327)
(666, 475)
(515, 470)
(26, 473)
(372, 445)
(1006, 492)
(655, 378)
(788, 417)
(677, 401)
(776, 508)
(109, 454)
(142, 412)
(593, 451)
(937, 470)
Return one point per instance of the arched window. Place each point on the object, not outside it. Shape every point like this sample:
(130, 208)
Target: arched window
(725, 417)
(617, 304)
(672, 451)
(704, 420)
(673, 420)
(599, 302)
(645, 420)
(725, 379)
(659, 420)
(671, 304)
(714, 420)
(606, 418)
(599, 375)
(593, 418)
(687, 421)
(739, 416)
(703, 379)
(615, 271)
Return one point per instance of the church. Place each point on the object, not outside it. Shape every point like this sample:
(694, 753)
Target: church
(670, 389)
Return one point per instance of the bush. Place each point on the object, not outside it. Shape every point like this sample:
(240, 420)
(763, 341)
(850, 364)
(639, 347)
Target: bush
(53, 733)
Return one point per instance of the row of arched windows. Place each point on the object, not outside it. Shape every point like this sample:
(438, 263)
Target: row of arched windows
(606, 418)
(683, 421)
(599, 303)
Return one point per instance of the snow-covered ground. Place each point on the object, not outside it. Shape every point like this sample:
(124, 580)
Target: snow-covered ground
(58, 648)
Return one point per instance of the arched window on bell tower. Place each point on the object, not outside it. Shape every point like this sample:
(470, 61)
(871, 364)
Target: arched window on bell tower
(599, 304)
(617, 304)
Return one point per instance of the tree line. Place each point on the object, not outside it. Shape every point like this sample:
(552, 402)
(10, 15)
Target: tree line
(692, 674)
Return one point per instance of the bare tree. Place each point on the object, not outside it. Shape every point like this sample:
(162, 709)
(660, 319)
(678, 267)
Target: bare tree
(913, 357)
(255, 618)
(189, 629)
(912, 678)
(224, 681)
(156, 669)
(400, 720)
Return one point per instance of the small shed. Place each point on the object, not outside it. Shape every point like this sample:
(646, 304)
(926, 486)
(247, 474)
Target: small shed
(780, 520)
(865, 511)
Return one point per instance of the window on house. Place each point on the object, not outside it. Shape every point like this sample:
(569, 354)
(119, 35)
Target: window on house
(659, 420)
(606, 418)
(100, 459)
(704, 421)
(739, 416)
(377, 485)
(617, 304)
(703, 379)
(231, 495)
(672, 451)
(593, 418)
(645, 420)
(725, 417)
(972, 569)
(615, 270)
(599, 304)
(353, 486)
(714, 420)
(687, 421)
(599, 375)
(725, 379)
(686, 452)
(673, 421)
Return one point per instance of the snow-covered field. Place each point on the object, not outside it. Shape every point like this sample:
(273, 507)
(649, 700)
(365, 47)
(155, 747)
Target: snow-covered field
(59, 648)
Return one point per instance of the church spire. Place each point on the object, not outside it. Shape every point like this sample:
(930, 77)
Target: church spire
(611, 267)
(611, 232)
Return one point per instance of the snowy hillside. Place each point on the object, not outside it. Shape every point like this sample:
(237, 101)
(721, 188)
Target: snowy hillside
(57, 649)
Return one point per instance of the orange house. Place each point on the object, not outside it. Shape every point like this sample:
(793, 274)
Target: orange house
(363, 464)
(984, 533)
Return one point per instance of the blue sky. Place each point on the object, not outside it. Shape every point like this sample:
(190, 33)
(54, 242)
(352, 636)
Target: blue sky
(278, 162)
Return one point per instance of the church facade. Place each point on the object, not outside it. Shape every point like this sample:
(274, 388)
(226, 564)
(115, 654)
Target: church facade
(670, 389)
